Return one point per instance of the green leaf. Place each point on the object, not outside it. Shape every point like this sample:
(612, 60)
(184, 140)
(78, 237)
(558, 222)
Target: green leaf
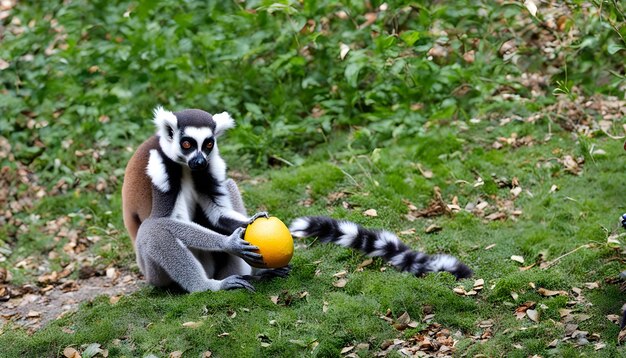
(92, 350)
(352, 73)
(410, 37)
(614, 48)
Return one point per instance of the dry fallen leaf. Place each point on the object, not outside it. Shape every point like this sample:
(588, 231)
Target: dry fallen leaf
(192, 324)
(469, 56)
(345, 350)
(549, 293)
(425, 172)
(520, 312)
(343, 50)
(176, 354)
(531, 6)
(613, 318)
(459, 290)
(533, 315)
(70, 352)
(340, 283)
(433, 228)
(517, 258)
(479, 283)
(365, 263)
(370, 212)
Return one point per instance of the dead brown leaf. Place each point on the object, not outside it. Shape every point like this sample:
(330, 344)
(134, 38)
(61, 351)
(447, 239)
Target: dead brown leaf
(411, 231)
(520, 312)
(459, 290)
(496, 216)
(346, 350)
(371, 213)
(533, 315)
(613, 318)
(364, 264)
(192, 324)
(425, 172)
(433, 228)
(549, 293)
(70, 352)
(436, 207)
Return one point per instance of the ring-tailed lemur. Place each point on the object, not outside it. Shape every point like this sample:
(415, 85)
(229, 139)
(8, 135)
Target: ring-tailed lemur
(377, 243)
(185, 218)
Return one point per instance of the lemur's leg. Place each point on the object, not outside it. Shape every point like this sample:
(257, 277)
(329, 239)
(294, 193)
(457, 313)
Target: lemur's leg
(165, 246)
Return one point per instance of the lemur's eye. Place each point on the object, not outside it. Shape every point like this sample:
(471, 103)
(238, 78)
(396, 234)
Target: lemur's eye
(209, 145)
(185, 144)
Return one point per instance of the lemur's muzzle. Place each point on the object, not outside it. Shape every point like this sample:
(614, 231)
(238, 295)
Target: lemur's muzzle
(198, 162)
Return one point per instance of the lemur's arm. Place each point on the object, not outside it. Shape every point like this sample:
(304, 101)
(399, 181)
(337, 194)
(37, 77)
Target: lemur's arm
(228, 220)
(222, 213)
(193, 235)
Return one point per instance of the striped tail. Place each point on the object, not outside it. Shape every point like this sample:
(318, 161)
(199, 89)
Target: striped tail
(377, 243)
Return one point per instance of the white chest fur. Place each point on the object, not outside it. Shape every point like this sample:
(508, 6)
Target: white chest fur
(185, 206)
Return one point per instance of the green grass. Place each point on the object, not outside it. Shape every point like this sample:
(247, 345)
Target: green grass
(82, 78)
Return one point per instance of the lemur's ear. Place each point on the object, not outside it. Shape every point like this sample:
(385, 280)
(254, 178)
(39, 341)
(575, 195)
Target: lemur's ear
(166, 122)
(223, 122)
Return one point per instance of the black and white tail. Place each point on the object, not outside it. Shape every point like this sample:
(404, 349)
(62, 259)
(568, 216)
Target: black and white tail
(377, 243)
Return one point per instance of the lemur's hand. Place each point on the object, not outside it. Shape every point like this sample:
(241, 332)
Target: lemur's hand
(239, 247)
(263, 214)
(623, 220)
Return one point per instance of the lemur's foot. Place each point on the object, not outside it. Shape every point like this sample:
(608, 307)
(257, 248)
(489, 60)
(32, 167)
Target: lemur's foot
(262, 214)
(236, 282)
(623, 220)
(266, 274)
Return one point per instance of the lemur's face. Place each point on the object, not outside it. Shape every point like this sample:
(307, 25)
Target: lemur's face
(189, 137)
(194, 146)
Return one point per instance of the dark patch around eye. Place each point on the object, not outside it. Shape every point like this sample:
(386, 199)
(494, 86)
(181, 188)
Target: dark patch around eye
(187, 144)
(208, 144)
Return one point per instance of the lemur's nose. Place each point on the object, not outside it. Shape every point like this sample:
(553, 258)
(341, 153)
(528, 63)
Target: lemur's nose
(197, 162)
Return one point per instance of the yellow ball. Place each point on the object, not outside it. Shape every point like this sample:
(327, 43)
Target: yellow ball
(273, 239)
